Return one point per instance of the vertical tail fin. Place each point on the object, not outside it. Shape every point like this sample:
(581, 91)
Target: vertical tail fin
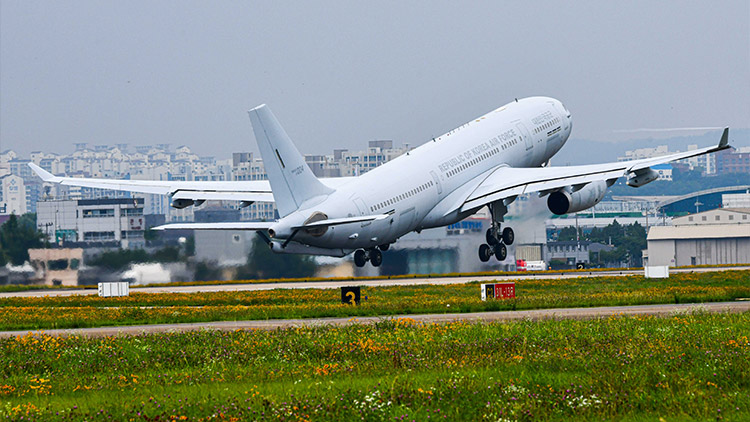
(292, 181)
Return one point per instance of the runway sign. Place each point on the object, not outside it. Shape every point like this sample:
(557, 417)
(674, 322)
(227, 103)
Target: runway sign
(350, 295)
(659, 271)
(498, 291)
(112, 289)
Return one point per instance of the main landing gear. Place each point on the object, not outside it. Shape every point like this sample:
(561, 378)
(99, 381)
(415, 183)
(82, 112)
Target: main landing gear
(361, 256)
(496, 241)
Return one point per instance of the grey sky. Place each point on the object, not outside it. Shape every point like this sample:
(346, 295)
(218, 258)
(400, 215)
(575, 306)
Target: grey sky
(338, 74)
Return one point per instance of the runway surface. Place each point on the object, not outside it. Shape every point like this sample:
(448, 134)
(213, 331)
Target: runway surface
(329, 284)
(536, 314)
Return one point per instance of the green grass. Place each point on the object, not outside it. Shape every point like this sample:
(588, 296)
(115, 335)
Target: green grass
(10, 288)
(21, 313)
(684, 367)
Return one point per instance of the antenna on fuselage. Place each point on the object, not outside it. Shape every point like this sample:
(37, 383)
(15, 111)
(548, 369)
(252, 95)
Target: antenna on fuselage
(516, 99)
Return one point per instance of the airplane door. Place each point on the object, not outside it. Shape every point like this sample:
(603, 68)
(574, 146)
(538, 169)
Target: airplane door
(437, 182)
(525, 135)
(362, 208)
(406, 219)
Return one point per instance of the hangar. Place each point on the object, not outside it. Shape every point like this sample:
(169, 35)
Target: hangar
(715, 237)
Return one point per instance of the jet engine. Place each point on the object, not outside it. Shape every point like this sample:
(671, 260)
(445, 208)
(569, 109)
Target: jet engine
(564, 202)
(640, 177)
(181, 203)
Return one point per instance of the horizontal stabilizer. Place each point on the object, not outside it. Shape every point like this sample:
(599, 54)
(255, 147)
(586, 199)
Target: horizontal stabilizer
(243, 225)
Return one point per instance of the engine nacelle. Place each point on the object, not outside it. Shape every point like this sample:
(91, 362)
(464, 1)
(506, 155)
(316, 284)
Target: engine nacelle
(181, 203)
(640, 177)
(563, 202)
(280, 230)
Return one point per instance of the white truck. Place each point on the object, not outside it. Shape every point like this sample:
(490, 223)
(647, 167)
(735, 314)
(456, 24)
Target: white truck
(522, 265)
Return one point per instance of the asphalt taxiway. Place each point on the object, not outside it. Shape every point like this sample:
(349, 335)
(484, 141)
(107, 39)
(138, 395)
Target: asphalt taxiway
(535, 314)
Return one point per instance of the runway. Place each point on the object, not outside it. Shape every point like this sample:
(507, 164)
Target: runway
(536, 314)
(335, 284)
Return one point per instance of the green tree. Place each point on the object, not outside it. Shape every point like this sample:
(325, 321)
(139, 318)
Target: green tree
(629, 242)
(119, 259)
(569, 233)
(17, 236)
(634, 243)
(263, 263)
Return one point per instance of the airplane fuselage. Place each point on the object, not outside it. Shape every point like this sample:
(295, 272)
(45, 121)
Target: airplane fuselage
(420, 189)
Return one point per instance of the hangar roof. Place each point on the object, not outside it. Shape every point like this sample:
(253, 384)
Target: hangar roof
(713, 231)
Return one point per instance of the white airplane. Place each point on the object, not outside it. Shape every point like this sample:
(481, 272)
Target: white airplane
(488, 161)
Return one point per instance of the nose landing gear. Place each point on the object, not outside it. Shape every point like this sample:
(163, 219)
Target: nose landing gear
(496, 244)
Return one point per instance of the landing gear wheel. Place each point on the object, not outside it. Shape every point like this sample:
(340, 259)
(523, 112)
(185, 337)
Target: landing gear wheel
(384, 247)
(376, 258)
(490, 237)
(485, 252)
(508, 236)
(501, 252)
(360, 258)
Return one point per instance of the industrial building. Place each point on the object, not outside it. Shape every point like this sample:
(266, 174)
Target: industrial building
(569, 253)
(715, 237)
(93, 221)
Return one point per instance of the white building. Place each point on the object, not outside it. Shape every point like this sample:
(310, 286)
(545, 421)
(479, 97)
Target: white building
(735, 200)
(13, 198)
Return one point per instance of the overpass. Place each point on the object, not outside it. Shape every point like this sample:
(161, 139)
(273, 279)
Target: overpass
(708, 198)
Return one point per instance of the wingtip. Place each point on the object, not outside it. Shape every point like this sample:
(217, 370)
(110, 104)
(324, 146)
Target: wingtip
(257, 108)
(42, 173)
(724, 138)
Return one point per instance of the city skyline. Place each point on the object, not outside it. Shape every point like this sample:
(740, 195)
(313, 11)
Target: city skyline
(340, 74)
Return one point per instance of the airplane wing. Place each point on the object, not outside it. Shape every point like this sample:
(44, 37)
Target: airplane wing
(508, 182)
(251, 191)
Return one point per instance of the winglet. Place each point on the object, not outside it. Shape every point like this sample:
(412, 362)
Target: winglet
(724, 138)
(44, 174)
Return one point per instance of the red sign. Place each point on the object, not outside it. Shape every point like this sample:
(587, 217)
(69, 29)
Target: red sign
(505, 290)
(499, 291)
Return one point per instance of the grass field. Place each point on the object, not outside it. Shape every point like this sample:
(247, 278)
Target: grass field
(20, 313)
(684, 367)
